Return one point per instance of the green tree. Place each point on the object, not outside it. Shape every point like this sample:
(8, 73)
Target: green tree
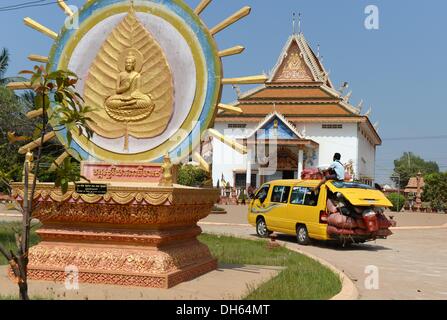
(190, 175)
(397, 200)
(435, 190)
(71, 114)
(408, 165)
(4, 63)
(12, 119)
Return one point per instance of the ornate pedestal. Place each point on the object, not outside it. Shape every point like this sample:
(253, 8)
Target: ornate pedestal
(135, 235)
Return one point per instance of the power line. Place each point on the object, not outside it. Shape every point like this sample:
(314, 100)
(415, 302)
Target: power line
(21, 4)
(30, 4)
(416, 138)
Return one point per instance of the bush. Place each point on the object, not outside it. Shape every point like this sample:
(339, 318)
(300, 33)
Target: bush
(191, 176)
(397, 200)
(435, 191)
(242, 195)
(218, 209)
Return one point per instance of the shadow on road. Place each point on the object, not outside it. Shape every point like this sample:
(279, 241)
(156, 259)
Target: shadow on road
(336, 245)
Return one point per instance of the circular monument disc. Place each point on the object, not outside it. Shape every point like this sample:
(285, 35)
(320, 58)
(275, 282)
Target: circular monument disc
(152, 73)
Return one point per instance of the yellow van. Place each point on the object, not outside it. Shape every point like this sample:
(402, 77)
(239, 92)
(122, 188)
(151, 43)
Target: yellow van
(292, 207)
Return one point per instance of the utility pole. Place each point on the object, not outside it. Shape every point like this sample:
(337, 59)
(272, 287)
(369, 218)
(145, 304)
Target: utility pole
(396, 175)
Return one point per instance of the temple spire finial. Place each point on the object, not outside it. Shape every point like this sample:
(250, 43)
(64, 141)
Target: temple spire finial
(295, 24)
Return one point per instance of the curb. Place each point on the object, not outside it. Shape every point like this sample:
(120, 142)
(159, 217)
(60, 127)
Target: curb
(223, 224)
(348, 289)
(444, 226)
(12, 215)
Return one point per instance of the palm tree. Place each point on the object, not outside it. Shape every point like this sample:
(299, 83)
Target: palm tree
(4, 63)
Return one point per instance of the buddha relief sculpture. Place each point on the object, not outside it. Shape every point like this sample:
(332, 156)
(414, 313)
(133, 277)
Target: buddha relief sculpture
(129, 103)
(130, 84)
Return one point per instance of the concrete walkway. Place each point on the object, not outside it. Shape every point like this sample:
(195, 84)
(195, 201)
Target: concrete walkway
(411, 264)
(229, 282)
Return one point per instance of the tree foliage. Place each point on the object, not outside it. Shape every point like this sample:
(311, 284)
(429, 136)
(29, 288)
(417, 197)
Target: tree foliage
(435, 190)
(397, 200)
(408, 165)
(12, 119)
(192, 176)
(54, 89)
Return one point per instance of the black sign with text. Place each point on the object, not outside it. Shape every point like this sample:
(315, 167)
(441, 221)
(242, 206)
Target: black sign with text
(91, 188)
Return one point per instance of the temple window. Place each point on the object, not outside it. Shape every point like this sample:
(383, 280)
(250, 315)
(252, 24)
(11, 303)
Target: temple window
(237, 125)
(332, 126)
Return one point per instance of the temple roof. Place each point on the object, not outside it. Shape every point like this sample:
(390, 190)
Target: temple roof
(298, 63)
(286, 130)
(412, 185)
(298, 88)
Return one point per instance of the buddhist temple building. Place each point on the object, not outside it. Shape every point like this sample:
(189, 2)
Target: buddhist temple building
(299, 110)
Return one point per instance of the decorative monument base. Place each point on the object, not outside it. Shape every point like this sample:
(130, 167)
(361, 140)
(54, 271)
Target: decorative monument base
(133, 235)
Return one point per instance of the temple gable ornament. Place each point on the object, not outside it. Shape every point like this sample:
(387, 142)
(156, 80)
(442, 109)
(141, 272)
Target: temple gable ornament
(293, 67)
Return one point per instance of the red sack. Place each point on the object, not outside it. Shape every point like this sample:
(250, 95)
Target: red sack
(362, 232)
(371, 221)
(331, 206)
(311, 174)
(360, 223)
(384, 223)
(342, 222)
(384, 233)
(335, 231)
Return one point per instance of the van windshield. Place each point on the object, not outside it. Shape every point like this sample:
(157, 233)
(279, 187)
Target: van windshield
(351, 185)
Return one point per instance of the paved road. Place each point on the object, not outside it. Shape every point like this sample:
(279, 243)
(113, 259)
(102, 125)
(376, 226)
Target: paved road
(411, 264)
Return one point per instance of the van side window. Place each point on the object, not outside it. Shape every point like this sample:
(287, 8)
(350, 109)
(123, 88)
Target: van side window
(303, 196)
(262, 193)
(280, 194)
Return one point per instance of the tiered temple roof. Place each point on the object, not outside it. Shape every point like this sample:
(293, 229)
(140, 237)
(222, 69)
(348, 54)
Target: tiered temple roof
(300, 89)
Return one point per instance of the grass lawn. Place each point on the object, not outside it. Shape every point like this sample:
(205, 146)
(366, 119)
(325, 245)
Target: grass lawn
(303, 278)
(7, 238)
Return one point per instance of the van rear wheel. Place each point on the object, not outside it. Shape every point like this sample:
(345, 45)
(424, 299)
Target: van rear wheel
(302, 235)
(261, 228)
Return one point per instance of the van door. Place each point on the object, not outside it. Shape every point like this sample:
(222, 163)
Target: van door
(278, 207)
(305, 209)
(259, 204)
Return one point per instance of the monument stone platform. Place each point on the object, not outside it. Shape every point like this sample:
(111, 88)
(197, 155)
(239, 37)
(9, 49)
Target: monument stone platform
(137, 234)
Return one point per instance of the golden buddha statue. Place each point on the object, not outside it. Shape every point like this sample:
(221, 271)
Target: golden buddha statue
(129, 103)
(167, 177)
(28, 166)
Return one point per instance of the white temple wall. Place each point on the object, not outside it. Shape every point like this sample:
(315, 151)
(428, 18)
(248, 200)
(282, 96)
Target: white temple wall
(348, 141)
(342, 140)
(366, 158)
(226, 160)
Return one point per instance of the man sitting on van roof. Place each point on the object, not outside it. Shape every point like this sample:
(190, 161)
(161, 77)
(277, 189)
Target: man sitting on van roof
(337, 172)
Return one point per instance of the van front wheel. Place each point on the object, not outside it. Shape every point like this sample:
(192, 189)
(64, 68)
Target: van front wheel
(302, 235)
(261, 228)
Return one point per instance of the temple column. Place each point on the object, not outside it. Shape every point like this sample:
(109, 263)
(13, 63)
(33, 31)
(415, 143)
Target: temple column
(248, 179)
(300, 162)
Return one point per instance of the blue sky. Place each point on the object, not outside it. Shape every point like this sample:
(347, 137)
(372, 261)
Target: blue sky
(400, 70)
